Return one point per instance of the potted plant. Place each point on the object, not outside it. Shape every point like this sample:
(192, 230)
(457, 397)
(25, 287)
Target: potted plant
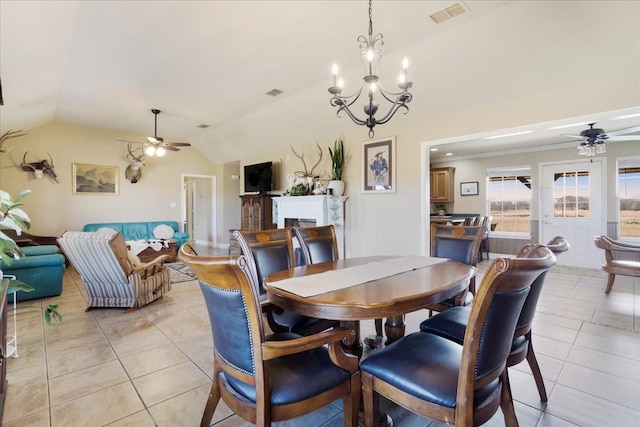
(338, 161)
(11, 216)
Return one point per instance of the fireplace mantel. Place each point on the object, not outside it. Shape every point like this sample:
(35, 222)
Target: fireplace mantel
(324, 210)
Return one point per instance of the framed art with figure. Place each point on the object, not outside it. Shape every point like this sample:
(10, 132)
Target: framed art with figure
(95, 179)
(379, 166)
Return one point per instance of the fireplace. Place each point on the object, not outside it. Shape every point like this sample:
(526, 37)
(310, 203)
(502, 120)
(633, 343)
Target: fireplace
(307, 211)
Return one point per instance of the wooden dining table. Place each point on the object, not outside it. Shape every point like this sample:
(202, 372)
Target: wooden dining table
(385, 297)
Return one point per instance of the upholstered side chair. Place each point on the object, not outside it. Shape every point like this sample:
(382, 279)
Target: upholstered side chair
(458, 243)
(318, 244)
(452, 323)
(620, 258)
(458, 384)
(267, 252)
(266, 378)
(109, 276)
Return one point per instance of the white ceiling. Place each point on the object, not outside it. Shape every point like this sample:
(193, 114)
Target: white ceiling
(107, 63)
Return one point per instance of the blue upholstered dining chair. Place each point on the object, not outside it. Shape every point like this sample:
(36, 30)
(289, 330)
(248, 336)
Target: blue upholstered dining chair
(458, 384)
(458, 243)
(318, 244)
(267, 252)
(452, 323)
(265, 378)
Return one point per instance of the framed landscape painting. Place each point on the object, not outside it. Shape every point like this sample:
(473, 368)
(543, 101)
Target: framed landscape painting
(379, 166)
(95, 179)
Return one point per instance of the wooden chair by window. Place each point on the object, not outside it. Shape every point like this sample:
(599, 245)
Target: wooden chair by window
(267, 252)
(458, 384)
(110, 278)
(620, 258)
(452, 323)
(459, 243)
(266, 378)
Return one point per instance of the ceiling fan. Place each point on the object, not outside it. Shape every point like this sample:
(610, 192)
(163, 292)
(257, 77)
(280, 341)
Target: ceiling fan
(155, 145)
(592, 140)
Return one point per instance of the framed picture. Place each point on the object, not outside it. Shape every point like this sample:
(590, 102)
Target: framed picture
(469, 188)
(379, 166)
(95, 179)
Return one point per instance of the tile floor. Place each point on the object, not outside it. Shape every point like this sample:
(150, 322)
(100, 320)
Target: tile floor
(152, 367)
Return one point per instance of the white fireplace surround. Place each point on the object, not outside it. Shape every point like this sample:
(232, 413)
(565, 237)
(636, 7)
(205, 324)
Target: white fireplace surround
(324, 210)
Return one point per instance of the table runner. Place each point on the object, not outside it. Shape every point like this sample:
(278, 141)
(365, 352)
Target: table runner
(334, 280)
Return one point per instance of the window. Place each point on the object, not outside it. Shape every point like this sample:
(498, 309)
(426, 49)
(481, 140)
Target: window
(571, 194)
(509, 199)
(629, 197)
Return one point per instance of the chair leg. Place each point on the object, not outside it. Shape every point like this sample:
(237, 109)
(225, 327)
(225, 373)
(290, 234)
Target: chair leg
(351, 403)
(535, 369)
(506, 401)
(610, 280)
(371, 400)
(212, 400)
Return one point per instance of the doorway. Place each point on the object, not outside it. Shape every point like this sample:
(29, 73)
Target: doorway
(199, 208)
(572, 205)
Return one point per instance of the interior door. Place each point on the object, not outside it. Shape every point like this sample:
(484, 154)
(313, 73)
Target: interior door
(191, 207)
(573, 206)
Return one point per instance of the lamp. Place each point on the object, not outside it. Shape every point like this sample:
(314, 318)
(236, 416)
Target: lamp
(593, 141)
(370, 54)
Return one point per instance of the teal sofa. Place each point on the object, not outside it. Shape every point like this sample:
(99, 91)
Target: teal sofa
(140, 230)
(42, 267)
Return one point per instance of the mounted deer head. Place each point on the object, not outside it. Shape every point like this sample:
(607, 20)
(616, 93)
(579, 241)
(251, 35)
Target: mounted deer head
(134, 171)
(39, 168)
(307, 172)
(8, 135)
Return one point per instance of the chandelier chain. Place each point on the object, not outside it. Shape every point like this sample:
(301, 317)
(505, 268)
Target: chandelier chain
(370, 20)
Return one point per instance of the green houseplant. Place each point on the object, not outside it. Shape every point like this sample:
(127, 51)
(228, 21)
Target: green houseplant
(338, 161)
(11, 216)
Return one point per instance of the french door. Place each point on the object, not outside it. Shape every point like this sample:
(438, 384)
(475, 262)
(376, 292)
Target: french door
(573, 204)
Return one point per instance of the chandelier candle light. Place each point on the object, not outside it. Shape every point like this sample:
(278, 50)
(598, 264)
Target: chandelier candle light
(370, 54)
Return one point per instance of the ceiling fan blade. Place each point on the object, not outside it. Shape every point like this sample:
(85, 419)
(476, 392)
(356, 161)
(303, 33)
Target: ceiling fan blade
(170, 148)
(625, 138)
(155, 139)
(574, 136)
(179, 144)
(129, 142)
(624, 131)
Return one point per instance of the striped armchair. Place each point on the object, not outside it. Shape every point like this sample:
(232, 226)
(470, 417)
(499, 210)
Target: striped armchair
(110, 278)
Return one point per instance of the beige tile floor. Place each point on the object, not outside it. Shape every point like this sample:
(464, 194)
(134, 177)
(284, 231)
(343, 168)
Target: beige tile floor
(152, 367)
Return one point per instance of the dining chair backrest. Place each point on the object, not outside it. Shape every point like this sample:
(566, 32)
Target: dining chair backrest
(456, 242)
(266, 251)
(495, 314)
(318, 244)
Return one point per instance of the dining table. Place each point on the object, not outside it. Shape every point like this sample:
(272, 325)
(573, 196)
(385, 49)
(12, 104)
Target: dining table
(372, 287)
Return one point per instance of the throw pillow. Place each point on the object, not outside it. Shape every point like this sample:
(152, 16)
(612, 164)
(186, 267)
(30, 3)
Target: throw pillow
(133, 259)
(163, 231)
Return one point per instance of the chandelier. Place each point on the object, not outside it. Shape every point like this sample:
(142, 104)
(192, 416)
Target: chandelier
(370, 54)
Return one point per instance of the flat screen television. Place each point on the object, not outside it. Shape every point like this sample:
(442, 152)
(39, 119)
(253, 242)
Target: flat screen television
(258, 178)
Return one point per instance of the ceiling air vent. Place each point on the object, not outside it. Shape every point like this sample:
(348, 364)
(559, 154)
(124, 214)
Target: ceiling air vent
(203, 126)
(448, 13)
(274, 92)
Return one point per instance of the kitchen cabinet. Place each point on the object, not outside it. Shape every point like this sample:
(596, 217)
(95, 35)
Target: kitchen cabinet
(442, 184)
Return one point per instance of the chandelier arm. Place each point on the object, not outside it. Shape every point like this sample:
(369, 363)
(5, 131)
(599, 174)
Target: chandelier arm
(347, 99)
(346, 109)
(392, 112)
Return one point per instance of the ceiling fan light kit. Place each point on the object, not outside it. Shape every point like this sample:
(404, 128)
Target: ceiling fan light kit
(370, 54)
(593, 139)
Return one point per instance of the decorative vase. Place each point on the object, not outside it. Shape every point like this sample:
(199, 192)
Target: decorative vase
(337, 187)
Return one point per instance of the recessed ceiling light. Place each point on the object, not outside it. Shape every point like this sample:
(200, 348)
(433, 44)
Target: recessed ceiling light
(524, 132)
(449, 154)
(434, 149)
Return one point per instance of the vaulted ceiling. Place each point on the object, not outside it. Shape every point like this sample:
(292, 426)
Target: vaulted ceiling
(108, 63)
